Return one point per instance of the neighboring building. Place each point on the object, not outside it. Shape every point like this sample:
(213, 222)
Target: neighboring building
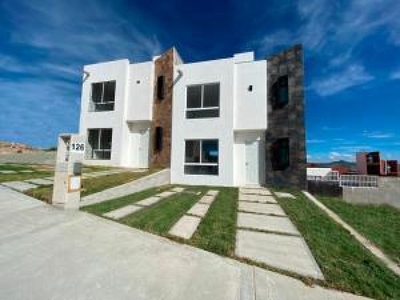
(231, 122)
(370, 163)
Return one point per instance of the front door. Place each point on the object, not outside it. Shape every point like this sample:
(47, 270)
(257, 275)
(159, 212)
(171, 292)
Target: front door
(144, 148)
(252, 176)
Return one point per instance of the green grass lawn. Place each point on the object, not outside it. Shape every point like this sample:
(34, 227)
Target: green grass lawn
(216, 232)
(91, 185)
(378, 223)
(345, 263)
(38, 172)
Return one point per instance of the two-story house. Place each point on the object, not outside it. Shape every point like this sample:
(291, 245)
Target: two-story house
(233, 121)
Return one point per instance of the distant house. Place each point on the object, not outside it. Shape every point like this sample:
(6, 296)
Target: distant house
(233, 121)
(370, 163)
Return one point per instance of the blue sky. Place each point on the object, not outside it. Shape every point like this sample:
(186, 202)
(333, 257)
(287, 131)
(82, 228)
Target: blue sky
(352, 59)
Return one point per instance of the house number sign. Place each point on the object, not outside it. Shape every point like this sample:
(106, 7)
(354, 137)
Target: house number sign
(78, 147)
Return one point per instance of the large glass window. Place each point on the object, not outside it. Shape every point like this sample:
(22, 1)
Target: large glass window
(202, 101)
(99, 143)
(201, 157)
(103, 96)
(280, 93)
(280, 157)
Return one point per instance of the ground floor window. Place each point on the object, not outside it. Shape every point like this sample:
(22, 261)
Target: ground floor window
(280, 158)
(99, 143)
(201, 157)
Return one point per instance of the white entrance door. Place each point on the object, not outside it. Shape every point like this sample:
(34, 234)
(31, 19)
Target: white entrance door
(144, 148)
(252, 176)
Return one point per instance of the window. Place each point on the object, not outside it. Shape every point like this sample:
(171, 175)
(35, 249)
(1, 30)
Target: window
(158, 139)
(160, 87)
(99, 143)
(201, 157)
(103, 96)
(280, 157)
(280, 93)
(202, 101)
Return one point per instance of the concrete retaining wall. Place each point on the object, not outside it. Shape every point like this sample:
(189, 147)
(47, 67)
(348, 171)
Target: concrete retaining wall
(388, 192)
(324, 188)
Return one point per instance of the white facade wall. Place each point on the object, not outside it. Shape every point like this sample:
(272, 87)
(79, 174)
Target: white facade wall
(208, 128)
(114, 70)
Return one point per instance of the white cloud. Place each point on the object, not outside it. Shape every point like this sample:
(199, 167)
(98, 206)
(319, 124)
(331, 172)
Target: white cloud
(315, 141)
(378, 135)
(395, 75)
(333, 155)
(351, 76)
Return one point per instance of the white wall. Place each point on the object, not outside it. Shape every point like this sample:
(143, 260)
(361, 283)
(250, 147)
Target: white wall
(140, 100)
(210, 128)
(113, 70)
(251, 106)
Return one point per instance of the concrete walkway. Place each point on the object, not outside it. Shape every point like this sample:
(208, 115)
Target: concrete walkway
(187, 225)
(47, 253)
(360, 238)
(157, 179)
(265, 234)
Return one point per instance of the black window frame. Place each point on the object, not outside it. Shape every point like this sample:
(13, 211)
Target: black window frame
(98, 148)
(203, 163)
(203, 110)
(280, 92)
(100, 103)
(280, 154)
(160, 87)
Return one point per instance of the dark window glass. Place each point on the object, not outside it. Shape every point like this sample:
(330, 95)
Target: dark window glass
(211, 95)
(97, 92)
(100, 141)
(280, 93)
(158, 139)
(210, 151)
(109, 91)
(160, 87)
(280, 157)
(192, 151)
(201, 170)
(201, 157)
(194, 96)
(203, 113)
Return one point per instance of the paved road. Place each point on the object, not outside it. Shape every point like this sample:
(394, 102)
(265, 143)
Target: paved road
(47, 253)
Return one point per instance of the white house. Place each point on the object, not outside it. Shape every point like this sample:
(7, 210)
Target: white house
(228, 122)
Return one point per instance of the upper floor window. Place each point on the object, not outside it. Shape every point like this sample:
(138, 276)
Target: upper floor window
(160, 87)
(280, 93)
(202, 101)
(158, 139)
(103, 96)
(99, 143)
(280, 157)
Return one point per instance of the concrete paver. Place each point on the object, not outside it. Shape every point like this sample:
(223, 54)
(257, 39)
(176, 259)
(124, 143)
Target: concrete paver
(8, 172)
(284, 252)
(149, 201)
(212, 192)
(166, 194)
(157, 179)
(19, 185)
(199, 210)
(284, 195)
(207, 199)
(178, 189)
(261, 208)
(88, 257)
(256, 198)
(122, 212)
(185, 227)
(39, 181)
(267, 223)
(255, 191)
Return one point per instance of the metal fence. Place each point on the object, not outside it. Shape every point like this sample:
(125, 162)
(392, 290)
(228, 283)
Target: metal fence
(359, 181)
(348, 180)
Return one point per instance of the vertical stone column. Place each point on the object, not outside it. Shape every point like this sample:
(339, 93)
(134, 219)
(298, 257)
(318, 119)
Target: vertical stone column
(162, 110)
(287, 122)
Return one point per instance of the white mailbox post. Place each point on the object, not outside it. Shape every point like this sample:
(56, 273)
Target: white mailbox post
(68, 171)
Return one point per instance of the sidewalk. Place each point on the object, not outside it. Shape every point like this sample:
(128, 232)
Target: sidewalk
(48, 253)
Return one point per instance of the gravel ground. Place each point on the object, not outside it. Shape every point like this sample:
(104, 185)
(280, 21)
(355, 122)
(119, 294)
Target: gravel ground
(37, 157)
